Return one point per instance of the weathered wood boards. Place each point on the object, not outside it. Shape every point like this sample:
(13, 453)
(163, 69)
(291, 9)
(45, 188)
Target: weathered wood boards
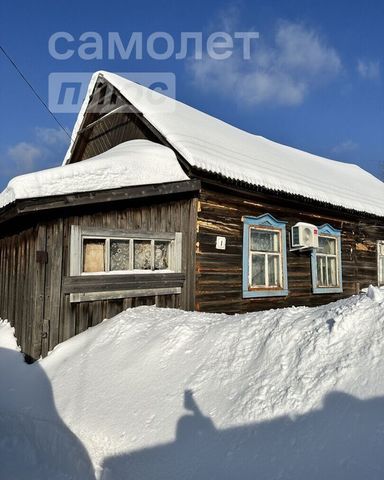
(35, 281)
(219, 273)
(36, 286)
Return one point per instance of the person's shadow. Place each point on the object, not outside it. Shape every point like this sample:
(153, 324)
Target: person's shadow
(344, 440)
(35, 443)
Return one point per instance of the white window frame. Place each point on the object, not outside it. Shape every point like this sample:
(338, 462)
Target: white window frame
(380, 274)
(266, 255)
(327, 231)
(79, 234)
(326, 256)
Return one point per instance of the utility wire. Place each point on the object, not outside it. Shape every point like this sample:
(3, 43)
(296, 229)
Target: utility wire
(34, 91)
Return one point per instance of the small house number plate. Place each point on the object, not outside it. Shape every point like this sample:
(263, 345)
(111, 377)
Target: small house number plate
(221, 243)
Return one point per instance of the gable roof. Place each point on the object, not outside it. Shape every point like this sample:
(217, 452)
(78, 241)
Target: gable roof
(212, 145)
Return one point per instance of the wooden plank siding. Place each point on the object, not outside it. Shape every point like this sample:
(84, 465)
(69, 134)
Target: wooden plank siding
(35, 285)
(219, 272)
(99, 133)
(19, 284)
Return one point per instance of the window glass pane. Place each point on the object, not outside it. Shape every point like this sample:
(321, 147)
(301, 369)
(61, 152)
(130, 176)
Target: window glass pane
(119, 255)
(321, 272)
(258, 270)
(318, 271)
(332, 272)
(273, 270)
(161, 255)
(142, 255)
(93, 255)
(327, 245)
(381, 269)
(264, 241)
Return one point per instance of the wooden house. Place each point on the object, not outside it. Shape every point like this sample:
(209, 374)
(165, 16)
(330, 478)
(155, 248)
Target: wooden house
(158, 203)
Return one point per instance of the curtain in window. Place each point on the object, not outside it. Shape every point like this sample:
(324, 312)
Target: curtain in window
(119, 255)
(327, 273)
(265, 264)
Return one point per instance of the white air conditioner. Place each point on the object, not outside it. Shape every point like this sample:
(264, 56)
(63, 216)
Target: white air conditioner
(304, 235)
(381, 248)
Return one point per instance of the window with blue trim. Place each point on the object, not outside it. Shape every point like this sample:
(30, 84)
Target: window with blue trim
(326, 262)
(264, 257)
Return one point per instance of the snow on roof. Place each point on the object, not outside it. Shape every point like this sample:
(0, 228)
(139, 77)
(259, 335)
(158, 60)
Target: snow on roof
(137, 162)
(215, 146)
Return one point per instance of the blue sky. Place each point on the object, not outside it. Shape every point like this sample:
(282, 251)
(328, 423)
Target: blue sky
(314, 81)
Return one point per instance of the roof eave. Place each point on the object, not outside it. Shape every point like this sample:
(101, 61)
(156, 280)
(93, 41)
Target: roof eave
(28, 206)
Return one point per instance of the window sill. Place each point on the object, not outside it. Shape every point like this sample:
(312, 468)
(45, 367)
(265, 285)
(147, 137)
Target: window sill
(321, 290)
(127, 272)
(121, 294)
(105, 284)
(264, 293)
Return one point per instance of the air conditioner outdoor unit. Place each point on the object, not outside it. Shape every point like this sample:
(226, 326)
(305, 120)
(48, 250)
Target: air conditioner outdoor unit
(304, 235)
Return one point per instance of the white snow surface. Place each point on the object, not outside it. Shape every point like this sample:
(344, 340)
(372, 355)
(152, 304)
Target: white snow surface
(295, 393)
(215, 146)
(137, 162)
(7, 336)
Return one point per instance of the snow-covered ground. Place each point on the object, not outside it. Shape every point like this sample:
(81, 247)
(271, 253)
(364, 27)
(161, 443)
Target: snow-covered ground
(295, 393)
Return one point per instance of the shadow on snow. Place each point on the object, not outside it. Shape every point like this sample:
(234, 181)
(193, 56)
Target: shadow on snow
(35, 443)
(343, 440)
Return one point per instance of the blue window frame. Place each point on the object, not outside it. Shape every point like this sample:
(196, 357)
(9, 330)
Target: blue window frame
(326, 262)
(264, 257)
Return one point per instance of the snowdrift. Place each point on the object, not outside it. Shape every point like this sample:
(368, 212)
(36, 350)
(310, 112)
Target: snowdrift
(295, 393)
(132, 163)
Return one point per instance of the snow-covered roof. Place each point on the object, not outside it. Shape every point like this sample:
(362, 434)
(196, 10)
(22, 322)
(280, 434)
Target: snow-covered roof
(215, 146)
(137, 162)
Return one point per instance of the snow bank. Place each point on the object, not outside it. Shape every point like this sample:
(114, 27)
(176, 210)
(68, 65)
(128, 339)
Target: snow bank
(295, 393)
(137, 162)
(376, 294)
(35, 444)
(215, 146)
(7, 336)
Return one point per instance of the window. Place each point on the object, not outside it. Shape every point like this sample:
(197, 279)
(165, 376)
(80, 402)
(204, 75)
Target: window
(326, 262)
(380, 261)
(98, 251)
(264, 257)
(115, 255)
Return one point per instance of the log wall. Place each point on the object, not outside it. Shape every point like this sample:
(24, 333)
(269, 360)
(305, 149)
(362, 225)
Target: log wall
(219, 272)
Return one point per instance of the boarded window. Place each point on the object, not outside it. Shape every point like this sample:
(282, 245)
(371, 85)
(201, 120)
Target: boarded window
(93, 255)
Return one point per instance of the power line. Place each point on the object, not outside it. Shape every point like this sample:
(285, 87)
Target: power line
(34, 91)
